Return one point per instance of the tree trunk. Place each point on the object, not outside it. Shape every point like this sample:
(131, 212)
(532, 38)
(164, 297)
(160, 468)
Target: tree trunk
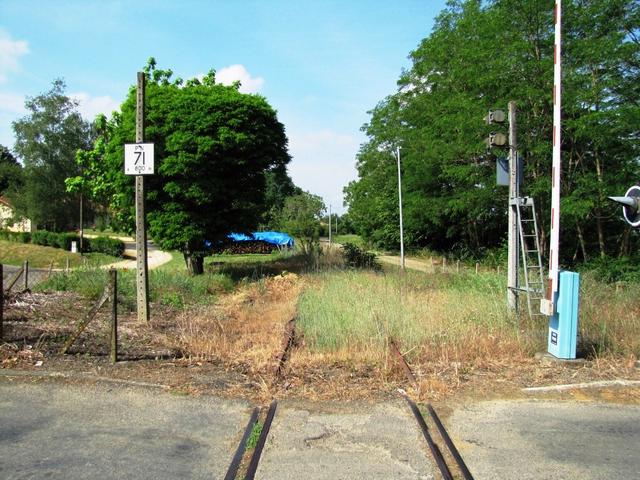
(603, 252)
(625, 247)
(581, 242)
(195, 263)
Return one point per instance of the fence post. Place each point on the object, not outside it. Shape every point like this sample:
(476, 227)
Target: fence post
(25, 272)
(1, 299)
(67, 269)
(458, 266)
(477, 267)
(113, 280)
(444, 264)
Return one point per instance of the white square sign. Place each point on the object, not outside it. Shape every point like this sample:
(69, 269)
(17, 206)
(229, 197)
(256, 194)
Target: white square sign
(138, 159)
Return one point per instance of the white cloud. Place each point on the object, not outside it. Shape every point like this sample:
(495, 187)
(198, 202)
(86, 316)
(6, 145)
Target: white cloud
(233, 73)
(323, 163)
(91, 106)
(10, 51)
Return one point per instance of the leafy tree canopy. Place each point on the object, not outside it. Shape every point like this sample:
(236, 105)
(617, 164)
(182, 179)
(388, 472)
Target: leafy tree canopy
(301, 217)
(10, 171)
(480, 56)
(215, 148)
(47, 139)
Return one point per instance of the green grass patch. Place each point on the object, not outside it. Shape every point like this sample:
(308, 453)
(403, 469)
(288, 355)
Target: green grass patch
(350, 238)
(355, 310)
(12, 253)
(252, 441)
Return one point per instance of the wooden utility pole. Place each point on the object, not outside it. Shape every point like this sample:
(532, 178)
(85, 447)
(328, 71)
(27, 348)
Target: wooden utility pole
(81, 223)
(514, 194)
(1, 299)
(142, 280)
(113, 291)
(25, 272)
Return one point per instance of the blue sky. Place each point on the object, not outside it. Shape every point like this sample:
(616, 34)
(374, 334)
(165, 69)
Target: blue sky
(321, 64)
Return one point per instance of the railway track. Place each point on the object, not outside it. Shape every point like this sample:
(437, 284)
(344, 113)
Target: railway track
(449, 462)
(444, 454)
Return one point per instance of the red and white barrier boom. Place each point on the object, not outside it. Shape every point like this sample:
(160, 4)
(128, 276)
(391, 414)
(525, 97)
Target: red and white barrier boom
(548, 305)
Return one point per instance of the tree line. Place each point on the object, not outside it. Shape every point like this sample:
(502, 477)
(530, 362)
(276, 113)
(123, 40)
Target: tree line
(221, 166)
(479, 56)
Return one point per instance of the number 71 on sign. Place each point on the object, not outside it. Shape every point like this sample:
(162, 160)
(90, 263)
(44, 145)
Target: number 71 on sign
(138, 159)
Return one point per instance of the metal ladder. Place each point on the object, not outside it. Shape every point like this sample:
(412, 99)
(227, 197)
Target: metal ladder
(534, 281)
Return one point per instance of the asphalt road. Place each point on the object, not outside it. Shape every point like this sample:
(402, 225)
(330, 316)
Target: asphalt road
(549, 440)
(60, 430)
(80, 432)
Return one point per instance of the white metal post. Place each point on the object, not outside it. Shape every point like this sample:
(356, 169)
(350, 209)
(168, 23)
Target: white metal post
(400, 208)
(330, 224)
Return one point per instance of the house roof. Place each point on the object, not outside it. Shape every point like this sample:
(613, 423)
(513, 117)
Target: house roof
(5, 201)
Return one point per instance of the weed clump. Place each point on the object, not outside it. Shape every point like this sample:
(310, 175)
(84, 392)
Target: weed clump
(356, 257)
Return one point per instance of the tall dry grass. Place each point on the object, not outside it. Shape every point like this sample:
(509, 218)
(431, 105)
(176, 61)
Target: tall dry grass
(434, 317)
(609, 321)
(454, 317)
(245, 329)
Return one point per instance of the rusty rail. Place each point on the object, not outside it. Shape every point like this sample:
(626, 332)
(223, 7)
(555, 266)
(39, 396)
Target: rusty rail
(237, 458)
(255, 458)
(288, 341)
(403, 363)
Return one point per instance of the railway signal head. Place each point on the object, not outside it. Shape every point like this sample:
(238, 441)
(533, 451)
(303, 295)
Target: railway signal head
(496, 140)
(630, 206)
(494, 116)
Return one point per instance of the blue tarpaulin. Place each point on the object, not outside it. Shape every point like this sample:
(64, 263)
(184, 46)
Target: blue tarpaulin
(275, 238)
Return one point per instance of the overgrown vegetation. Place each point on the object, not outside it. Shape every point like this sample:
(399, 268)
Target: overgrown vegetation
(356, 257)
(458, 317)
(168, 285)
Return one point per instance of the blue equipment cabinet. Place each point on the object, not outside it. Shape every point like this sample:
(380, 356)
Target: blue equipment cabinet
(563, 325)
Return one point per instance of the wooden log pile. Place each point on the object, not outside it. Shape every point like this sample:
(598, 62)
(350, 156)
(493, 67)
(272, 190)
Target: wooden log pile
(244, 247)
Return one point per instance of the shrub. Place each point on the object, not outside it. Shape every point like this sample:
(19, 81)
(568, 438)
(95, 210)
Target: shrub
(18, 237)
(41, 237)
(610, 270)
(109, 246)
(63, 240)
(356, 257)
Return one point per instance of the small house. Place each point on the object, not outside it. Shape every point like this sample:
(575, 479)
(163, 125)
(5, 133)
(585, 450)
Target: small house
(7, 220)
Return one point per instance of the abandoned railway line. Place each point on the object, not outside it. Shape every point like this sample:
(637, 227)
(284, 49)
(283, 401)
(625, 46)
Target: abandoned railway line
(251, 458)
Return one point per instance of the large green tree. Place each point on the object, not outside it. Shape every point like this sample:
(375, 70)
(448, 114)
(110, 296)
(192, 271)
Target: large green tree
(300, 217)
(10, 172)
(215, 148)
(47, 139)
(480, 56)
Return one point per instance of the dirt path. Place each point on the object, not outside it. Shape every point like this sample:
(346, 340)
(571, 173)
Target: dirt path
(155, 257)
(414, 264)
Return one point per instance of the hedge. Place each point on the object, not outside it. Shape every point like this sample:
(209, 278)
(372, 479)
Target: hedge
(18, 237)
(109, 246)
